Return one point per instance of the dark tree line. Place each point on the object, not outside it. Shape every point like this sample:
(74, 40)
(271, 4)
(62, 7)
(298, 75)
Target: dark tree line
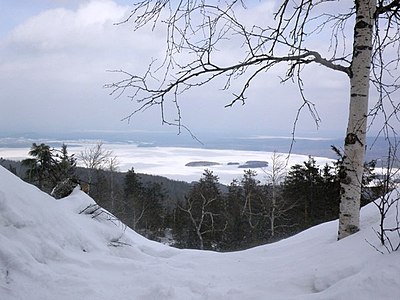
(252, 213)
(205, 215)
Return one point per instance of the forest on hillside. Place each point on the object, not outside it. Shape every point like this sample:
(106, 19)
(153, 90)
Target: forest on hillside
(200, 215)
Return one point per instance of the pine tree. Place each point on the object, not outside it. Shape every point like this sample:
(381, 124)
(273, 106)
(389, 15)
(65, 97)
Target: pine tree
(64, 169)
(254, 206)
(314, 192)
(135, 205)
(42, 170)
(204, 213)
(154, 196)
(66, 164)
(301, 189)
(237, 232)
(143, 205)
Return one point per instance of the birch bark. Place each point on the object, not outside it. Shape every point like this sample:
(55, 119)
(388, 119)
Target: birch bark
(355, 141)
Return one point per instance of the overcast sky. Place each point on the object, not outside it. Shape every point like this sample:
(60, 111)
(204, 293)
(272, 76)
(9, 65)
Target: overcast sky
(54, 57)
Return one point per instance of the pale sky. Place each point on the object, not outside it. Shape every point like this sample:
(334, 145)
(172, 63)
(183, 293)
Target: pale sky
(54, 57)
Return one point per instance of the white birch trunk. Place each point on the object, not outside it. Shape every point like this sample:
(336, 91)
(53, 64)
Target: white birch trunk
(355, 141)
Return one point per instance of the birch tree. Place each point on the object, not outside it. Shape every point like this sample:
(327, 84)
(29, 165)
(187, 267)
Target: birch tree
(275, 177)
(363, 46)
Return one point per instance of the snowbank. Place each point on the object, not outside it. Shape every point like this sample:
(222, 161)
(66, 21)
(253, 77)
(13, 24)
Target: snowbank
(65, 249)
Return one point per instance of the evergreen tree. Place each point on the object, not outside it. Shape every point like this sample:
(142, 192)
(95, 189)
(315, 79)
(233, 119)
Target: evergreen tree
(100, 189)
(64, 169)
(143, 204)
(204, 213)
(237, 233)
(51, 170)
(155, 196)
(66, 164)
(330, 194)
(314, 192)
(42, 170)
(133, 199)
(248, 208)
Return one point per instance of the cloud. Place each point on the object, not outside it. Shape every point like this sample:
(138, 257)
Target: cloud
(62, 29)
(53, 67)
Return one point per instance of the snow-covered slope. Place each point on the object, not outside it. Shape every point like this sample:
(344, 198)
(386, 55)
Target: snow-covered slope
(49, 250)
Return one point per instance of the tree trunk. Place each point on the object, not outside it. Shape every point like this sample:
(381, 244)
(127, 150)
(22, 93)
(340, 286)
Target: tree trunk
(354, 145)
(201, 246)
(273, 209)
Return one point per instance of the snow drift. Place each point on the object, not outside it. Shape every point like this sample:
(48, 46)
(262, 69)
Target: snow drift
(64, 249)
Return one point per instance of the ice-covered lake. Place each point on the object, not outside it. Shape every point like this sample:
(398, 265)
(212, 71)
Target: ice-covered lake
(171, 161)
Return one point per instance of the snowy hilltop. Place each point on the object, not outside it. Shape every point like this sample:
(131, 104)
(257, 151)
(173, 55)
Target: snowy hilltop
(73, 249)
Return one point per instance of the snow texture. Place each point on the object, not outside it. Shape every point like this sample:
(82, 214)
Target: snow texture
(60, 249)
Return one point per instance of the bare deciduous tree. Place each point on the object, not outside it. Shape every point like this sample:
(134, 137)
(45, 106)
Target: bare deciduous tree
(255, 202)
(198, 31)
(275, 177)
(389, 202)
(94, 158)
(204, 208)
(203, 219)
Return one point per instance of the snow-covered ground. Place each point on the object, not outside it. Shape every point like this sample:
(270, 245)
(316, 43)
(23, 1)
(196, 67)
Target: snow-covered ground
(48, 250)
(170, 161)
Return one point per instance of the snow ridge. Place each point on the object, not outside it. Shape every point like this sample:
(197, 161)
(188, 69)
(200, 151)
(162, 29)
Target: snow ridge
(59, 249)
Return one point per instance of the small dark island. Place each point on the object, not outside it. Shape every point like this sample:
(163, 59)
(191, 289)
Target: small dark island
(253, 164)
(201, 164)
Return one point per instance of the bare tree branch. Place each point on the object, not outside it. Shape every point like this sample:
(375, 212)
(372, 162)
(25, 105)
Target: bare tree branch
(364, 35)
